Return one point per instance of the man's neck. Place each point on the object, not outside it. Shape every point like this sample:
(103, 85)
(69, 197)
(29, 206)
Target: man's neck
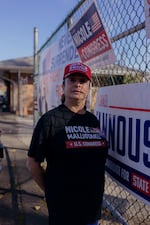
(76, 108)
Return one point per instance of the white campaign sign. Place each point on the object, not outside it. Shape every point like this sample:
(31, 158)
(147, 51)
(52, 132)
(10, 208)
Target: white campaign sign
(124, 114)
(52, 62)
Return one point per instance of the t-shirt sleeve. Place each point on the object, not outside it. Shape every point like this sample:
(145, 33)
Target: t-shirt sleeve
(37, 148)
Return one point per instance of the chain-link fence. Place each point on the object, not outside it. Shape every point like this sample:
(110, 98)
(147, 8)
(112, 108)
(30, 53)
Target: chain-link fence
(124, 21)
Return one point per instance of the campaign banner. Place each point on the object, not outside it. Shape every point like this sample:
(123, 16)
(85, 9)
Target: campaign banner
(124, 114)
(91, 39)
(52, 61)
(147, 17)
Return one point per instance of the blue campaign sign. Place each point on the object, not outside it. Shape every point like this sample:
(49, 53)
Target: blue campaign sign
(87, 27)
(91, 39)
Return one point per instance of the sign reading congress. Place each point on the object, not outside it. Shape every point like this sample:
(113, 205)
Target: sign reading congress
(91, 39)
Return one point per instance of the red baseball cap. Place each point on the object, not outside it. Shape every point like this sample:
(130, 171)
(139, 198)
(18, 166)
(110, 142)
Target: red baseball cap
(77, 68)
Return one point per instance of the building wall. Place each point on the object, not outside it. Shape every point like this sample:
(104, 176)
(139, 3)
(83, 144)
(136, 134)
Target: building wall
(27, 99)
(20, 92)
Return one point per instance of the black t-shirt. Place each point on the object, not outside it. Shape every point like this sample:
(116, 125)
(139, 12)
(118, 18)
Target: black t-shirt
(75, 151)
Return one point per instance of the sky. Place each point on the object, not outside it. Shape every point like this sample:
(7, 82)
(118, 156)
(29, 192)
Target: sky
(18, 19)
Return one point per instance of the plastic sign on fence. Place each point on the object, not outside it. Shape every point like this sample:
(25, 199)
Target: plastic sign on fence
(51, 67)
(124, 114)
(147, 17)
(91, 39)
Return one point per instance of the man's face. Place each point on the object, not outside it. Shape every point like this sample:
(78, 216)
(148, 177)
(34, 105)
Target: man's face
(76, 87)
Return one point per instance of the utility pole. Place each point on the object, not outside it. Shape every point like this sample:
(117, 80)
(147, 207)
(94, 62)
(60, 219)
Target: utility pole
(35, 74)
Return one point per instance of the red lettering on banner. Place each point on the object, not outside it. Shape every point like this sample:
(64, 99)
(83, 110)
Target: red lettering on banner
(85, 144)
(140, 183)
(98, 45)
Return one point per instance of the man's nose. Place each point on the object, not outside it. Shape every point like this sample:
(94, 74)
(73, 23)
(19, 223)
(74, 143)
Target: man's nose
(77, 82)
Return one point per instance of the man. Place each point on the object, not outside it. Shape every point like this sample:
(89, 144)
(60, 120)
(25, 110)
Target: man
(70, 140)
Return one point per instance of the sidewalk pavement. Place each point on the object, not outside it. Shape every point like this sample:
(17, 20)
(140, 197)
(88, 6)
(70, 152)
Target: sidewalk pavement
(21, 200)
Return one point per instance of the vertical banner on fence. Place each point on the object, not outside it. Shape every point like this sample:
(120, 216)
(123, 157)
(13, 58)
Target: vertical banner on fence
(147, 17)
(91, 39)
(124, 114)
(51, 67)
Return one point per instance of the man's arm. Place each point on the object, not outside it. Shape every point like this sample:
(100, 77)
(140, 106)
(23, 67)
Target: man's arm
(37, 172)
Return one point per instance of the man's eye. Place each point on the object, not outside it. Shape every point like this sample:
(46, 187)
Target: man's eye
(81, 81)
(72, 80)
